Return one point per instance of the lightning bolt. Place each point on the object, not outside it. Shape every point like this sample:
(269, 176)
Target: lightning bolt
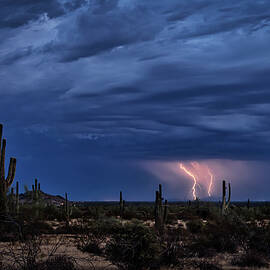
(196, 166)
(211, 182)
(194, 180)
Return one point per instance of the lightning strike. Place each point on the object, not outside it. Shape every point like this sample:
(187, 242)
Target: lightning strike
(194, 180)
(211, 182)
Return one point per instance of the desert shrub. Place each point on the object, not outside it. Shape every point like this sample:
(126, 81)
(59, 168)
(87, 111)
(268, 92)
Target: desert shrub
(135, 247)
(26, 212)
(94, 212)
(91, 241)
(36, 228)
(195, 226)
(201, 264)
(222, 235)
(52, 263)
(26, 255)
(204, 213)
(51, 212)
(71, 229)
(247, 214)
(250, 258)
(172, 218)
(131, 214)
(76, 212)
(187, 214)
(259, 239)
(37, 211)
(10, 230)
(172, 251)
(107, 226)
(172, 247)
(218, 239)
(262, 212)
(59, 263)
(92, 234)
(204, 265)
(112, 211)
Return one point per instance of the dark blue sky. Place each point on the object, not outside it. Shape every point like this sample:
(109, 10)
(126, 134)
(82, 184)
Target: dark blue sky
(102, 95)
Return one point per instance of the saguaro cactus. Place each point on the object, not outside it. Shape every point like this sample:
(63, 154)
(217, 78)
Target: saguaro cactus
(161, 211)
(225, 204)
(36, 197)
(36, 191)
(121, 204)
(68, 210)
(5, 182)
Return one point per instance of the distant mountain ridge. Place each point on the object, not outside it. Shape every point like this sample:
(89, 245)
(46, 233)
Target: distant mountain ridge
(27, 198)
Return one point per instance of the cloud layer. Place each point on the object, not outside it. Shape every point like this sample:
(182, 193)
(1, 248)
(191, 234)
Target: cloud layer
(143, 80)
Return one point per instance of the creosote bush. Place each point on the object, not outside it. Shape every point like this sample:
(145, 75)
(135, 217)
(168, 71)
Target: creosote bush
(134, 247)
(90, 240)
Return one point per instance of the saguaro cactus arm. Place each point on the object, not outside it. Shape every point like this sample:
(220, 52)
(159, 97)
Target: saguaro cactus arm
(11, 172)
(3, 154)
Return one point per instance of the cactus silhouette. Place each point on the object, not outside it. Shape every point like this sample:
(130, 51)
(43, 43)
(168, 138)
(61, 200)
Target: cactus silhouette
(121, 204)
(36, 191)
(5, 182)
(68, 210)
(225, 204)
(161, 211)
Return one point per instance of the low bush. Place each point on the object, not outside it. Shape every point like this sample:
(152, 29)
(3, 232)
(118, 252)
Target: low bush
(172, 248)
(203, 265)
(91, 241)
(37, 228)
(59, 263)
(10, 230)
(135, 247)
(53, 263)
(250, 258)
(195, 226)
(259, 239)
(222, 235)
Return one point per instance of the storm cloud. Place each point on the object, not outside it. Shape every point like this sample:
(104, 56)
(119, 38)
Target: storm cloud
(135, 80)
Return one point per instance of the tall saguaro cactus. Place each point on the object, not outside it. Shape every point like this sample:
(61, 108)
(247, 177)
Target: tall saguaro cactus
(225, 204)
(161, 211)
(36, 191)
(121, 205)
(36, 197)
(5, 182)
(68, 210)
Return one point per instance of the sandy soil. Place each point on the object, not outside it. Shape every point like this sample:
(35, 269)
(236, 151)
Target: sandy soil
(66, 245)
(63, 245)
